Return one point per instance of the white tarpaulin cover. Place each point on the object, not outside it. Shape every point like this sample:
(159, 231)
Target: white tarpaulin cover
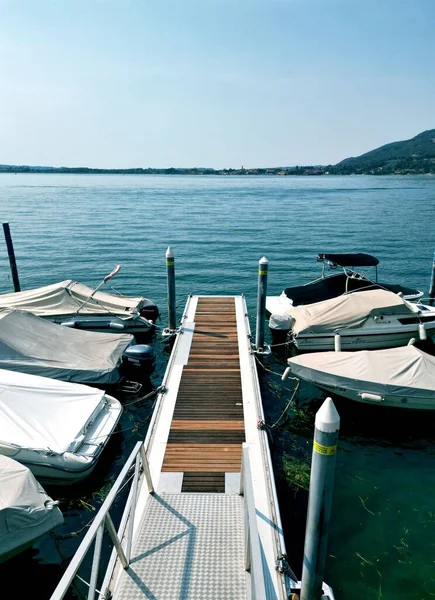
(66, 297)
(23, 514)
(41, 413)
(397, 371)
(32, 345)
(347, 311)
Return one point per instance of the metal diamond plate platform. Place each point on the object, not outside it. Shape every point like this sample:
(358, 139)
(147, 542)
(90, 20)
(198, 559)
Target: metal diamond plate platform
(190, 547)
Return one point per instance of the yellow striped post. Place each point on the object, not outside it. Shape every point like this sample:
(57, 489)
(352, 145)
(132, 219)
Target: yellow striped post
(263, 267)
(170, 273)
(326, 430)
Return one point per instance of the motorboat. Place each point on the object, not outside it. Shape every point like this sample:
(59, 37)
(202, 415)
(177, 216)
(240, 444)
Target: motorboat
(29, 344)
(362, 320)
(75, 305)
(26, 511)
(399, 377)
(57, 429)
(335, 284)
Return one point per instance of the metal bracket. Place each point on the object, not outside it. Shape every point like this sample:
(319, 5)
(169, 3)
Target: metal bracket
(265, 351)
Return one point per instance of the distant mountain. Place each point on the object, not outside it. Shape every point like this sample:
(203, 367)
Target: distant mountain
(416, 155)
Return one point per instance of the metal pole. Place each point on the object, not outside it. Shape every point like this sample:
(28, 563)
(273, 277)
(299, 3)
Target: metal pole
(132, 508)
(11, 254)
(261, 302)
(96, 562)
(326, 429)
(170, 273)
(432, 282)
(146, 469)
(115, 541)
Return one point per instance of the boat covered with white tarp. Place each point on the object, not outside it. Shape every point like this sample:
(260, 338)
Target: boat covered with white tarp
(76, 305)
(401, 377)
(57, 429)
(32, 345)
(369, 319)
(26, 511)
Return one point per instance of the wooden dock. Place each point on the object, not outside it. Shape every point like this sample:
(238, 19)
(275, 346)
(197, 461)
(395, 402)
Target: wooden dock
(211, 406)
(202, 522)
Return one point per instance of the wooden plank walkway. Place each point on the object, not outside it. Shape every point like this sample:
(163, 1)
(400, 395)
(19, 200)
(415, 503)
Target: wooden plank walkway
(207, 430)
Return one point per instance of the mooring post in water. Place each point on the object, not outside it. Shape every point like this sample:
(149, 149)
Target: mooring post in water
(326, 429)
(432, 283)
(170, 273)
(263, 266)
(11, 254)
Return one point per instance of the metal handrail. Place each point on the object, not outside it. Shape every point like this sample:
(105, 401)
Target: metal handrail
(253, 561)
(103, 520)
(282, 566)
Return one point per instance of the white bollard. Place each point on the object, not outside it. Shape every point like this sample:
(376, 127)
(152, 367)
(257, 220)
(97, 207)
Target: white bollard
(326, 429)
(286, 374)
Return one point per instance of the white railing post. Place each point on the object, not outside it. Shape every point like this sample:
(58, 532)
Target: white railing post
(96, 562)
(102, 517)
(247, 543)
(146, 469)
(115, 541)
(242, 477)
(132, 508)
(252, 541)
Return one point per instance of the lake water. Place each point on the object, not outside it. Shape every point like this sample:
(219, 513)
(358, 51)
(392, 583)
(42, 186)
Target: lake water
(382, 537)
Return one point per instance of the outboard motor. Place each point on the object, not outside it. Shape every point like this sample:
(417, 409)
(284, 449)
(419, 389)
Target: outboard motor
(280, 326)
(149, 311)
(138, 361)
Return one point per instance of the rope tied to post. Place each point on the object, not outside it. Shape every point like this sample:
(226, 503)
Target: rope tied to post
(265, 425)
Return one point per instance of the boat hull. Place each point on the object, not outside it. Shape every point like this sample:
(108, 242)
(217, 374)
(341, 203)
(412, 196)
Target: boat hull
(70, 467)
(103, 324)
(369, 396)
(369, 339)
(33, 534)
(398, 377)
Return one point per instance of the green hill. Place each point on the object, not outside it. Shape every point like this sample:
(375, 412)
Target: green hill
(416, 155)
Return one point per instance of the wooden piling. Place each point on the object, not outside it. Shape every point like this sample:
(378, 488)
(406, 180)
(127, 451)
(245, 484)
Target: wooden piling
(11, 254)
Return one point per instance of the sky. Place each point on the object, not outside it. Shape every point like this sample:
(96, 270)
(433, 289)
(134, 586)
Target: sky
(211, 83)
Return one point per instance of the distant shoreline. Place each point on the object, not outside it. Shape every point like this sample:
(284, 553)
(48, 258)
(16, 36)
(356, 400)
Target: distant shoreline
(409, 157)
(289, 171)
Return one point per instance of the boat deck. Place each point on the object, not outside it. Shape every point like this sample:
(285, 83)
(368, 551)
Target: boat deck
(190, 535)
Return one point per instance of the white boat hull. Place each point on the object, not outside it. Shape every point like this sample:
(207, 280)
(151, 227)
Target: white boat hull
(70, 467)
(368, 396)
(363, 339)
(397, 377)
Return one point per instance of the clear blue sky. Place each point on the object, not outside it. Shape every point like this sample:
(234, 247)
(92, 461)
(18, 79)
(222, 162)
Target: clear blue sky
(217, 83)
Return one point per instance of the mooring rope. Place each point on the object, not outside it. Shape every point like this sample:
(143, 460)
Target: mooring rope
(289, 403)
(159, 390)
(72, 534)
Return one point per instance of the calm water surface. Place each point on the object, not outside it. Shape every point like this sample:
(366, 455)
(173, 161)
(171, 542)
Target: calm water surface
(382, 538)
